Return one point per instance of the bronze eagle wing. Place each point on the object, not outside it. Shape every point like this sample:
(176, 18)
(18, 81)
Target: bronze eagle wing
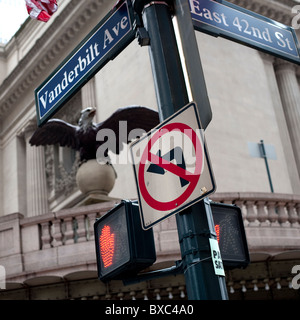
(56, 131)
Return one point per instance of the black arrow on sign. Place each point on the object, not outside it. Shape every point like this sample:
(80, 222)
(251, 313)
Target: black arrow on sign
(174, 154)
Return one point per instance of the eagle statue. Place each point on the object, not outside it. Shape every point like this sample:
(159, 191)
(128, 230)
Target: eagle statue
(82, 137)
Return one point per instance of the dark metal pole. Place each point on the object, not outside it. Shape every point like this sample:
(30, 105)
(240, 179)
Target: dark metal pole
(168, 77)
(195, 224)
(264, 155)
(192, 60)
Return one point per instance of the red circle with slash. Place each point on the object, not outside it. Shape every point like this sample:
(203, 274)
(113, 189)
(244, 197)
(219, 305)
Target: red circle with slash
(191, 177)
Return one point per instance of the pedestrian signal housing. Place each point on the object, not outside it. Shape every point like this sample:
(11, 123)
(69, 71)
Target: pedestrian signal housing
(123, 248)
(231, 235)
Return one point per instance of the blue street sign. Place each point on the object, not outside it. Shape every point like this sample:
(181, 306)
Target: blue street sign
(221, 18)
(107, 40)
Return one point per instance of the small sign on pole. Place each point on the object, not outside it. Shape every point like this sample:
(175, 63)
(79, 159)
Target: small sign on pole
(171, 166)
(216, 257)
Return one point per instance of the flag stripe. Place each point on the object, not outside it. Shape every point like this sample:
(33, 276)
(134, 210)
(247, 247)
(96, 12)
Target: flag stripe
(41, 9)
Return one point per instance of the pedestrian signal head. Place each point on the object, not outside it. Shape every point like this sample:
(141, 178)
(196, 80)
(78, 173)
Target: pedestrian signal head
(123, 248)
(231, 235)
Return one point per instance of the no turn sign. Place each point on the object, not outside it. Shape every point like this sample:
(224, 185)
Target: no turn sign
(171, 167)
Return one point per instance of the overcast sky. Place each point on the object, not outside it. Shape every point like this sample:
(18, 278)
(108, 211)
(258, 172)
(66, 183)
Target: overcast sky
(12, 14)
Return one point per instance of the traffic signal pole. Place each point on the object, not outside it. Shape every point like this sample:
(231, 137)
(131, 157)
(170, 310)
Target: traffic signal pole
(195, 224)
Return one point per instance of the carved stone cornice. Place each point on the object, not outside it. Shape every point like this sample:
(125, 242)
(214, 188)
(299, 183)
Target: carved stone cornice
(284, 65)
(28, 129)
(46, 51)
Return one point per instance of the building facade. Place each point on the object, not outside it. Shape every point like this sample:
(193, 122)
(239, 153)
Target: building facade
(46, 237)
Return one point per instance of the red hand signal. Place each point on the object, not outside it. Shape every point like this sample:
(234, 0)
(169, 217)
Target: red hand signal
(217, 228)
(107, 246)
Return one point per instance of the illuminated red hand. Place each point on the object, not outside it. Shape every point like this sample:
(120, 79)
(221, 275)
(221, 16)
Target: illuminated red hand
(217, 228)
(107, 246)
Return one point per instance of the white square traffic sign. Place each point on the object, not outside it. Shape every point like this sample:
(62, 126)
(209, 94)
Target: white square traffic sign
(171, 166)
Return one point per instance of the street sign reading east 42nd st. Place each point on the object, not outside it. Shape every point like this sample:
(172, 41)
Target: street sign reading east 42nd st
(221, 18)
(171, 167)
(101, 45)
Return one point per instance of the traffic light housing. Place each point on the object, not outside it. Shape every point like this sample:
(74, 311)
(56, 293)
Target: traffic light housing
(123, 248)
(231, 235)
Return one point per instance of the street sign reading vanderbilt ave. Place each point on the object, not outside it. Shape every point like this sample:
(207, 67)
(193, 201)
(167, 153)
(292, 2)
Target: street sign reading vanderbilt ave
(221, 18)
(102, 44)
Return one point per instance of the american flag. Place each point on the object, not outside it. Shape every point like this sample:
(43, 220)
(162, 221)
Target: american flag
(41, 9)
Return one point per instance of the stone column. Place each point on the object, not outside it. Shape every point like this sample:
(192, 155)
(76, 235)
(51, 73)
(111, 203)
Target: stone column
(37, 195)
(290, 97)
(281, 122)
(88, 94)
